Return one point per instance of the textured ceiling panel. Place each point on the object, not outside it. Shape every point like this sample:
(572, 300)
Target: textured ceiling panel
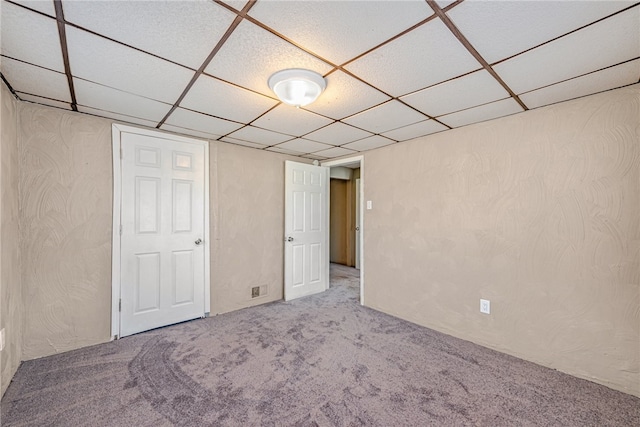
(30, 37)
(173, 30)
(260, 136)
(578, 53)
(36, 80)
(44, 101)
(415, 130)
(335, 152)
(44, 6)
(201, 122)
(252, 55)
(337, 134)
(345, 96)
(482, 113)
(303, 146)
(220, 99)
(468, 91)
(609, 78)
(385, 117)
(499, 29)
(370, 143)
(190, 132)
(105, 98)
(421, 58)
(102, 61)
(115, 116)
(340, 30)
(291, 120)
(242, 142)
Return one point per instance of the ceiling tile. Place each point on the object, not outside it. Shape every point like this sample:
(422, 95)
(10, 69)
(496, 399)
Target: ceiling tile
(314, 157)
(260, 136)
(189, 132)
(337, 134)
(457, 94)
(335, 152)
(44, 6)
(30, 37)
(241, 142)
(44, 101)
(494, 110)
(291, 120)
(283, 151)
(444, 3)
(105, 98)
(345, 96)
(340, 30)
(251, 55)
(201, 122)
(609, 78)
(606, 43)
(370, 143)
(499, 29)
(111, 64)
(415, 130)
(390, 115)
(220, 99)
(427, 55)
(115, 116)
(303, 146)
(36, 80)
(168, 29)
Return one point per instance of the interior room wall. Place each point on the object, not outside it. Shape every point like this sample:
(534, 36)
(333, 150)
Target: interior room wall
(247, 225)
(66, 203)
(536, 212)
(11, 307)
(66, 220)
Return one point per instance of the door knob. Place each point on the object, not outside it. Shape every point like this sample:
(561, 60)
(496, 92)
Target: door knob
(289, 239)
(357, 228)
(199, 241)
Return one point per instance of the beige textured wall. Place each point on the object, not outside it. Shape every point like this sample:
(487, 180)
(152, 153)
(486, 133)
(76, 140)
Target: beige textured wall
(11, 315)
(66, 229)
(537, 212)
(247, 225)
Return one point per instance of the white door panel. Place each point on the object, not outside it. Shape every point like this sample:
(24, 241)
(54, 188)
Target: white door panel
(306, 230)
(162, 257)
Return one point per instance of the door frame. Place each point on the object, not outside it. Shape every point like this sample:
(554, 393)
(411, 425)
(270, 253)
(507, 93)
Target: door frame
(343, 162)
(116, 136)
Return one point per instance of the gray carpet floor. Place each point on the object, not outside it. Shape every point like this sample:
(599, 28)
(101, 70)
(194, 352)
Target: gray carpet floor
(322, 360)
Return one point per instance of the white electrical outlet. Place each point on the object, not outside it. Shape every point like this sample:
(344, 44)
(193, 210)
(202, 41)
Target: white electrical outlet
(485, 306)
(1, 339)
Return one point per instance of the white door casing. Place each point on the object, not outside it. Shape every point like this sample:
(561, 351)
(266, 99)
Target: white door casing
(306, 230)
(162, 250)
(358, 223)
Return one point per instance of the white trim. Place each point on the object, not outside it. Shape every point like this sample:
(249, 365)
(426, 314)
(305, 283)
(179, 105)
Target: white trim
(116, 134)
(345, 161)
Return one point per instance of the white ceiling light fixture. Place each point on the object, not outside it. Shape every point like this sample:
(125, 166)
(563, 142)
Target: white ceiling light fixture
(296, 86)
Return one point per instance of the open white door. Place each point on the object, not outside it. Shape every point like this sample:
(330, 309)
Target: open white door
(163, 262)
(306, 249)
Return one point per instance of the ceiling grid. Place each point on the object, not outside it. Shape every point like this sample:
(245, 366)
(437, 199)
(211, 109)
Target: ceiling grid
(396, 70)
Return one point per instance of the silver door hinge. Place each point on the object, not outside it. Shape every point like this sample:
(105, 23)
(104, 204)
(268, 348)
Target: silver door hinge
(120, 305)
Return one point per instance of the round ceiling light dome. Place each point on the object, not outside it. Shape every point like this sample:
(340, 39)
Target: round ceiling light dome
(296, 86)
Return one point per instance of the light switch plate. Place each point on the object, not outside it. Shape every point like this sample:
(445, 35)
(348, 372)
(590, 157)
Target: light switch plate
(369, 205)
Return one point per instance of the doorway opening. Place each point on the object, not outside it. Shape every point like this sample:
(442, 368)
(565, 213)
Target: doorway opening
(346, 217)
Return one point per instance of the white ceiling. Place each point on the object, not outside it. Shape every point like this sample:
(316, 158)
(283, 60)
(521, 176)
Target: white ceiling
(395, 69)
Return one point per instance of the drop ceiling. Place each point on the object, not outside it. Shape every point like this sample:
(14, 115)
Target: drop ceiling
(395, 69)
